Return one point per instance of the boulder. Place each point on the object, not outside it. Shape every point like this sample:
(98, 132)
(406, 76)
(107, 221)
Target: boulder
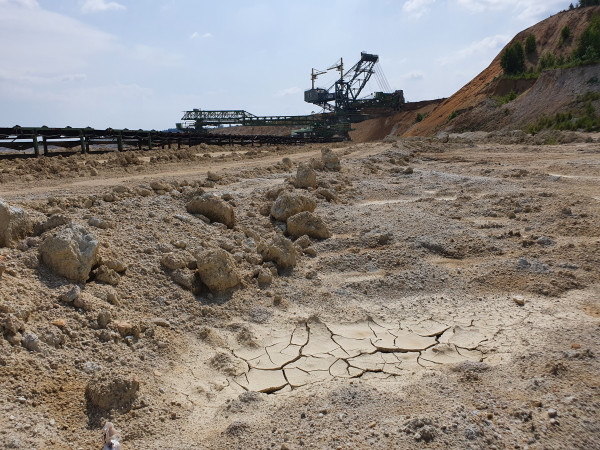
(111, 391)
(280, 250)
(217, 270)
(216, 209)
(331, 161)
(15, 224)
(71, 252)
(306, 177)
(307, 223)
(290, 203)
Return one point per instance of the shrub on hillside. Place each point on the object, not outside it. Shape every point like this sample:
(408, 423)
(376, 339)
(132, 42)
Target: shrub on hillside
(547, 61)
(530, 45)
(513, 59)
(565, 35)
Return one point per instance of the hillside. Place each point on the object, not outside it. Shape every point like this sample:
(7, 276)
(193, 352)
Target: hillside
(486, 84)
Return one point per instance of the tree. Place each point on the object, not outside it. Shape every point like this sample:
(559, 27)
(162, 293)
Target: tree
(584, 3)
(530, 45)
(513, 59)
(588, 48)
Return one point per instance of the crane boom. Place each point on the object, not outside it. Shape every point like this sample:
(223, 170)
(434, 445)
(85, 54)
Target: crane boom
(344, 94)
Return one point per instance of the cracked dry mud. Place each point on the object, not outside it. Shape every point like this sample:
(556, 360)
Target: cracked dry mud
(315, 351)
(454, 306)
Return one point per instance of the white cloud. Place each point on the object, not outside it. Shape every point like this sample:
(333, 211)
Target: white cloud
(29, 4)
(417, 8)
(529, 11)
(485, 47)
(195, 35)
(414, 75)
(94, 6)
(288, 91)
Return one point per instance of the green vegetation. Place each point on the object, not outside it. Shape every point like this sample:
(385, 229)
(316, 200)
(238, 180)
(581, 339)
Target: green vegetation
(453, 115)
(513, 59)
(420, 117)
(565, 36)
(530, 45)
(589, 121)
(505, 99)
(584, 3)
(588, 49)
(547, 61)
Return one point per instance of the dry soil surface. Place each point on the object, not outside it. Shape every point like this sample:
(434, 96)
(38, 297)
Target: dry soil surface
(455, 305)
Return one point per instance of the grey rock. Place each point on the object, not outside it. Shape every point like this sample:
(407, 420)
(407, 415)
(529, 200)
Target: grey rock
(306, 177)
(331, 161)
(100, 223)
(31, 342)
(545, 241)
(71, 294)
(54, 221)
(281, 251)
(217, 270)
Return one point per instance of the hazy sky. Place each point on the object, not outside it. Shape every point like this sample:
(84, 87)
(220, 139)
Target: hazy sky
(140, 63)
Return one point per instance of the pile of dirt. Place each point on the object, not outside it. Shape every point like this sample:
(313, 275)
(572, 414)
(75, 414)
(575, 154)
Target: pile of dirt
(394, 125)
(485, 85)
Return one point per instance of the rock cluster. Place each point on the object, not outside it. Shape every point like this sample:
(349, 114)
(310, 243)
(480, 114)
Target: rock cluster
(70, 252)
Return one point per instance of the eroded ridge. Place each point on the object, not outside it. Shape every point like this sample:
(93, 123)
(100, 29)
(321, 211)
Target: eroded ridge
(315, 351)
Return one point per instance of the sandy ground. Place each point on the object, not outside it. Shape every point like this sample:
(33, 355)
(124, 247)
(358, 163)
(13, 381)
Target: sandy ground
(456, 304)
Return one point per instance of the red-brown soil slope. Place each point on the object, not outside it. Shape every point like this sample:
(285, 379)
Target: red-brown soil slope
(547, 34)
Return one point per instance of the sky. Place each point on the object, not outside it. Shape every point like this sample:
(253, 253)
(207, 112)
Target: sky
(140, 63)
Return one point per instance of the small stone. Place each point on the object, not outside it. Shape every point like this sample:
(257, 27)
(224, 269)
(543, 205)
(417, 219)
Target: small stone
(125, 328)
(552, 412)
(104, 274)
(103, 318)
(306, 177)
(109, 197)
(31, 342)
(213, 176)
(264, 276)
(519, 300)
(71, 294)
(331, 161)
(100, 223)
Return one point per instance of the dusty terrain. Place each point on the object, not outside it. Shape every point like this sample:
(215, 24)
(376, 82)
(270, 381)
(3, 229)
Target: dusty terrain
(456, 303)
